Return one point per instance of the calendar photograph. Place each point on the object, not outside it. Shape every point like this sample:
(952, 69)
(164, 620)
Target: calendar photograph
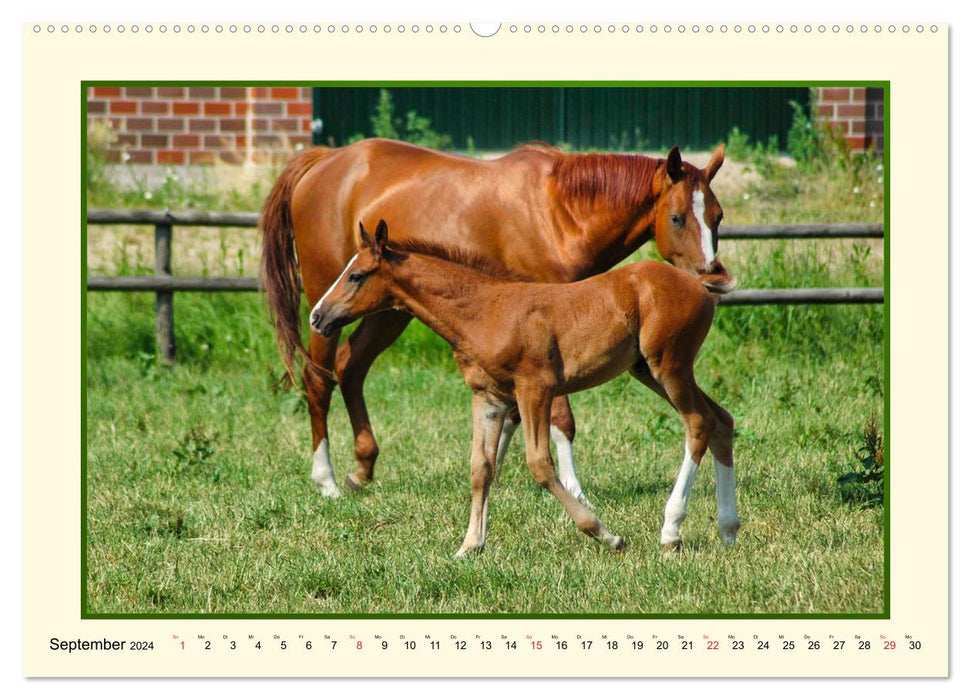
(394, 366)
(641, 293)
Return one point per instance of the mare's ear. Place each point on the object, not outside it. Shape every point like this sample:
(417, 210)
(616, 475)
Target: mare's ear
(674, 165)
(380, 237)
(717, 158)
(366, 239)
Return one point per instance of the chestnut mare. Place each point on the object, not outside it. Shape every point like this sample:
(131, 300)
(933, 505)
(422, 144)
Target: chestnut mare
(520, 344)
(536, 212)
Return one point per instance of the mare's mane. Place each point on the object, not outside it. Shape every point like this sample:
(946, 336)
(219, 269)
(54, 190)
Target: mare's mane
(609, 180)
(396, 251)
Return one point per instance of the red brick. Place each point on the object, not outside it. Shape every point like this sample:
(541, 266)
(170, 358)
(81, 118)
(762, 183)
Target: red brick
(218, 109)
(177, 124)
(859, 94)
(232, 157)
(139, 157)
(285, 93)
(185, 141)
(139, 91)
(176, 92)
(203, 93)
(125, 140)
(232, 93)
(139, 124)
(123, 107)
(824, 110)
(306, 94)
(271, 109)
(232, 125)
(240, 140)
(285, 125)
(154, 107)
(299, 139)
(241, 108)
(299, 109)
(217, 141)
(839, 127)
(170, 157)
(259, 125)
(260, 93)
(836, 94)
(202, 125)
(107, 92)
(202, 158)
(185, 108)
(305, 126)
(858, 126)
(856, 143)
(155, 140)
(850, 111)
(97, 107)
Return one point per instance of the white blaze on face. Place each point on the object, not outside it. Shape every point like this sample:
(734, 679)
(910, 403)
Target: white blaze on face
(707, 241)
(331, 289)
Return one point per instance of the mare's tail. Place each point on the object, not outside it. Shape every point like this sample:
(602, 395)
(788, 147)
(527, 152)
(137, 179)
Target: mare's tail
(279, 270)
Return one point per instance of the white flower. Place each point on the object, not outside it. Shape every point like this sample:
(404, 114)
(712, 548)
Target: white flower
(125, 157)
(856, 190)
(148, 195)
(880, 180)
(873, 205)
(746, 196)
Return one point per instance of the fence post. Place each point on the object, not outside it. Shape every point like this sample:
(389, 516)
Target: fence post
(164, 312)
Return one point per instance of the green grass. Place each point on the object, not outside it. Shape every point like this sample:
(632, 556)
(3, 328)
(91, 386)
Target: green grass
(199, 497)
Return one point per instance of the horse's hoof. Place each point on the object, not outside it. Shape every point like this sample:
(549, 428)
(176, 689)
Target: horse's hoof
(618, 544)
(465, 552)
(672, 544)
(351, 484)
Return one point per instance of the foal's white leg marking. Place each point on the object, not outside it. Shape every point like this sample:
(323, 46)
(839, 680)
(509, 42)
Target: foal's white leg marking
(331, 288)
(323, 473)
(707, 243)
(727, 507)
(677, 505)
(508, 428)
(564, 461)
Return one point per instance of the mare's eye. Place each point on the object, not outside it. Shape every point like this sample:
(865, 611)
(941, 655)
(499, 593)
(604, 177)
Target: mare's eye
(355, 277)
(677, 219)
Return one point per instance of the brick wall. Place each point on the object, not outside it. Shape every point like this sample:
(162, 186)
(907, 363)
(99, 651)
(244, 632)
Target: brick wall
(202, 125)
(855, 112)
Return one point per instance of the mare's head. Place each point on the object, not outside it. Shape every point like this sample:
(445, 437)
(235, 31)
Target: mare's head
(687, 218)
(362, 288)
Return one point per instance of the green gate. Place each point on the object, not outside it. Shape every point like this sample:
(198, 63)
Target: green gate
(623, 118)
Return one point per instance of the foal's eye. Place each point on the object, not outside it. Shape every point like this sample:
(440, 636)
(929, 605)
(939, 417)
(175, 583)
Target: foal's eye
(355, 277)
(677, 219)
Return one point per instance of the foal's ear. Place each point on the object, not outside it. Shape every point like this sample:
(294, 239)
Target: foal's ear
(674, 164)
(717, 158)
(381, 236)
(366, 239)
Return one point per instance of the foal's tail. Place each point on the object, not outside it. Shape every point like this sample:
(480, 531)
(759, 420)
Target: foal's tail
(279, 270)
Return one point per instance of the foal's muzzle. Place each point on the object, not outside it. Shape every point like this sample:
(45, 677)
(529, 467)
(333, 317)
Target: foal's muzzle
(326, 324)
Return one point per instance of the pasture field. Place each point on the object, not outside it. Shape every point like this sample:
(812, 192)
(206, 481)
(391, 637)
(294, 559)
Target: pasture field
(198, 497)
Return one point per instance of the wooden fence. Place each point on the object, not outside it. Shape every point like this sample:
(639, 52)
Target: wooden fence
(164, 284)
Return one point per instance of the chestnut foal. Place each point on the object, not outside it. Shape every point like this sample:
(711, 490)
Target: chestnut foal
(523, 343)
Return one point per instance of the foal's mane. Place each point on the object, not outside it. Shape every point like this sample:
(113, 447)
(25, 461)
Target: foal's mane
(396, 251)
(610, 180)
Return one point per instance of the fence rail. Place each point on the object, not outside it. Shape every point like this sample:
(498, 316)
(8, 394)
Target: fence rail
(164, 284)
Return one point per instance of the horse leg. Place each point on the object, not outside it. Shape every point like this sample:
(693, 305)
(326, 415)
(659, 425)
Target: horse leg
(354, 357)
(509, 426)
(562, 432)
(722, 452)
(320, 387)
(721, 439)
(699, 424)
(487, 419)
(534, 407)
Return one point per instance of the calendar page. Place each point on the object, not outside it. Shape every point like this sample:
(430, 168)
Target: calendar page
(460, 350)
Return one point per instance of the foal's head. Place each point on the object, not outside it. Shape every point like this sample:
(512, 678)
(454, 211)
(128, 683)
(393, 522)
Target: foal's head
(687, 218)
(362, 288)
